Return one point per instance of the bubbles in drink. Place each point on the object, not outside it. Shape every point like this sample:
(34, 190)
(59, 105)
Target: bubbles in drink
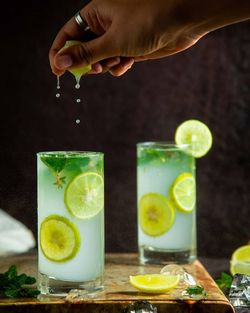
(78, 121)
(78, 100)
(58, 95)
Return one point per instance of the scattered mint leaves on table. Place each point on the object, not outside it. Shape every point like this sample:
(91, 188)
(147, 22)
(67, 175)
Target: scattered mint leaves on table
(195, 290)
(13, 285)
(224, 282)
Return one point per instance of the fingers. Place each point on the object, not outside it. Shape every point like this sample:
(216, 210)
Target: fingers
(104, 66)
(84, 54)
(122, 67)
(115, 66)
(69, 30)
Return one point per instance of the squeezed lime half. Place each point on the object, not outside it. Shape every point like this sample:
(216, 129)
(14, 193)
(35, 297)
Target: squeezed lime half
(79, 71)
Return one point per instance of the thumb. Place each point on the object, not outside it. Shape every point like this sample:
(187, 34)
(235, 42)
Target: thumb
(86, 53)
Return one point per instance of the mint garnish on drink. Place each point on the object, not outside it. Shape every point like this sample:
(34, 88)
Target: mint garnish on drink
(56, 165)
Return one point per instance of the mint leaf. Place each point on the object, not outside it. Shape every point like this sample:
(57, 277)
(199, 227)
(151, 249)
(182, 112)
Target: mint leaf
(11, 273)
(195, 290)
(3, 281)
(55, 163)
(28, 292)
(13, 285)
(23, 279)
(12, 292)
(224, 282)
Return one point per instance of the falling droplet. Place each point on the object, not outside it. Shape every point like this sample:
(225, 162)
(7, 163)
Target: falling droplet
(58, 95)
(58, 82)
(78, 121)
(78, 78)
(78, 100)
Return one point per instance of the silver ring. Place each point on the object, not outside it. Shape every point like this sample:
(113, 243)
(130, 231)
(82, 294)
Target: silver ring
(80, 22)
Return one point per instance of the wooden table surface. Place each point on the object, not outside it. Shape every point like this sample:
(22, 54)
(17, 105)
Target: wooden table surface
(118, 292)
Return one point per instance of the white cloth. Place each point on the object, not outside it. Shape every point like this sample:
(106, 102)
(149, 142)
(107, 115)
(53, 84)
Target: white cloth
(14, 236)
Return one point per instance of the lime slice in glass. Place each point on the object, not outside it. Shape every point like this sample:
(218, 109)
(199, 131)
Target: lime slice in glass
(156, 214)
(240, 261)
(84, 195)
(77, 72)
(197, 135)
(154, 283)
(183, 192)
(59, 238)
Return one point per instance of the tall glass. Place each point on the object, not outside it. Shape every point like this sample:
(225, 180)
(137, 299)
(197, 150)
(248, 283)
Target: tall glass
(70, 222)
(166, 203)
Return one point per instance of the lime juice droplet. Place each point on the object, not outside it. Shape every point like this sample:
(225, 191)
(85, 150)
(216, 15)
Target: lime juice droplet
(58, 86)
(78, 78)
(58, 82)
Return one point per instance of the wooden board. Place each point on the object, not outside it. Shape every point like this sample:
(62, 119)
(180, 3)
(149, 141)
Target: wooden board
(118, 292)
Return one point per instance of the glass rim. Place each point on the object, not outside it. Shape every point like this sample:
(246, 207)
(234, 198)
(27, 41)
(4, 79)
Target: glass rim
(162, 145)
(69, 153)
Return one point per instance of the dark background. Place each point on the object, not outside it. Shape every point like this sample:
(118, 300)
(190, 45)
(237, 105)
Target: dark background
(210, 81)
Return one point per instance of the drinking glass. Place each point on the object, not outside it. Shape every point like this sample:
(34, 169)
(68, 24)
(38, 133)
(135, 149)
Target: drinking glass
(166, 203)
(70, 222)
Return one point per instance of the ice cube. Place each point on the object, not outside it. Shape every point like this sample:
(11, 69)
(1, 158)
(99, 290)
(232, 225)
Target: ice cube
(239, 294)
(175, 269)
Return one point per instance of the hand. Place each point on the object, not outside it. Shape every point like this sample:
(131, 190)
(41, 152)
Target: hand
(128, 30)
(137, 30)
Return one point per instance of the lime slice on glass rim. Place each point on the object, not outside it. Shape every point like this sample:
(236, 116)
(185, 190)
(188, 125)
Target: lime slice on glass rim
(154, 283)
(84, 195)
(197, 135)
(240, 261)
(156, 214)
(77, 72)
(59, 238)
(183, 192)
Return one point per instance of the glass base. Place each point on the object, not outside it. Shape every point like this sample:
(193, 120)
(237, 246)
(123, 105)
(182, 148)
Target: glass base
(49, 286)
(150, 255)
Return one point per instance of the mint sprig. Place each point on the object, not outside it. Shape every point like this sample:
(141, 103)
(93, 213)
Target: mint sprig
(224, 282)
(13, 285)
(56, 165)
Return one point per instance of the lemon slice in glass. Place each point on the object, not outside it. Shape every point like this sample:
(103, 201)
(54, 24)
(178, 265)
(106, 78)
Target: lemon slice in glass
(240, 261)
(77, 72)
(156, 214)
(84, 195)
(154, 283)
(197, 135)
(183, 192)
(59, 238)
